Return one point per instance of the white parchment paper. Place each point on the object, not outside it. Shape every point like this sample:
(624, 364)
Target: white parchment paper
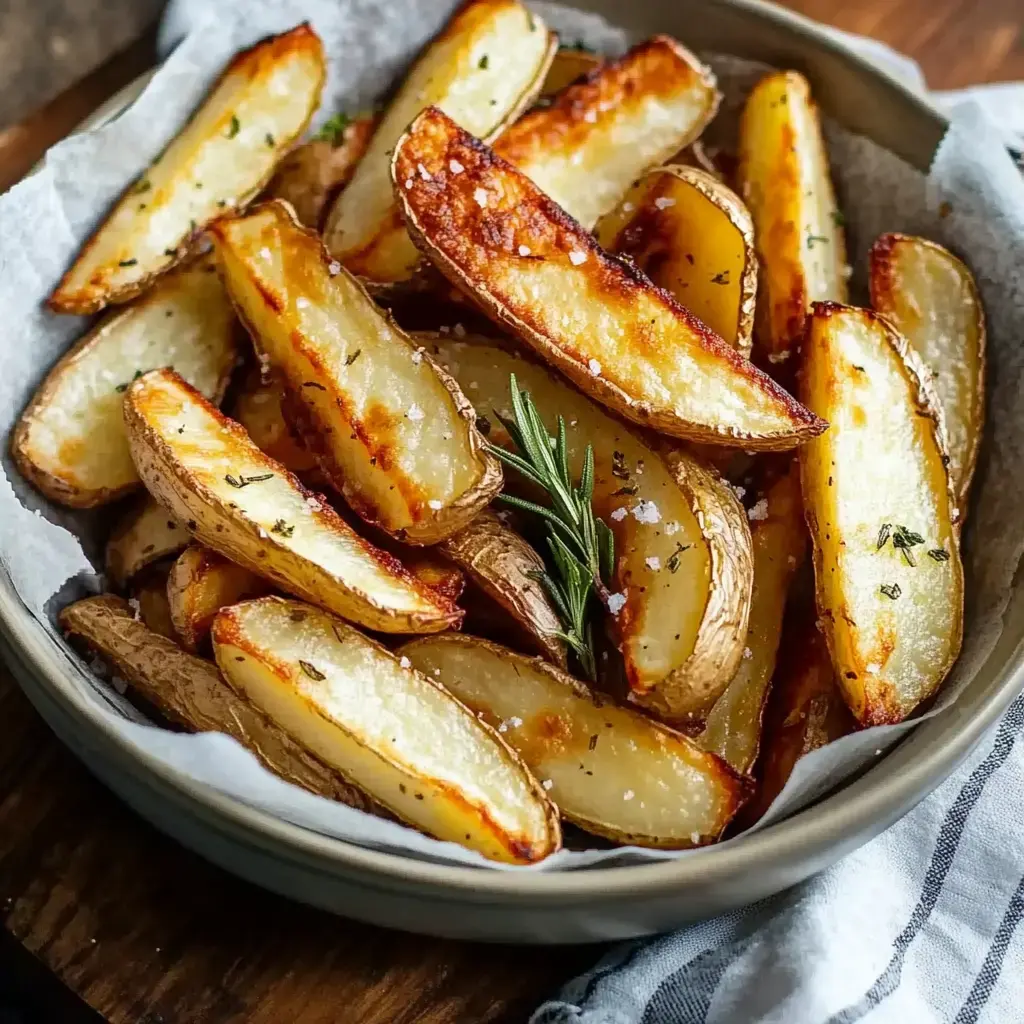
(972, 202)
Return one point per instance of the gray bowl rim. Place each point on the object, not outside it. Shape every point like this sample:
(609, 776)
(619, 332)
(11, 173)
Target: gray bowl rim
(878, 797)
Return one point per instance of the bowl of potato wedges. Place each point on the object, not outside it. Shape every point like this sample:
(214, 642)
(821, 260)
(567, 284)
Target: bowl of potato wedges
(511, 463)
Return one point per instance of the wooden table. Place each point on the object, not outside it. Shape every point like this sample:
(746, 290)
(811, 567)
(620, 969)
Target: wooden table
(144, 931)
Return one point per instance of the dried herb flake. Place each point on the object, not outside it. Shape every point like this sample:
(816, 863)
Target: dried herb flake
(312, 671)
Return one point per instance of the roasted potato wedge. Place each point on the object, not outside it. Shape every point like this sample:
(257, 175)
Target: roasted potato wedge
(200, 583)
(683, 571)
(482, 70)
(595, 317)
(204, 469)
(312, 174)
(882, 517)
(70, 441)
(502, 564)
(931, 298)
(784, 179)
(392, 434)
(144, 534)
(586, 147)
(569, 64)
(258, 407)
(805, 711)
(395, 732)
(223, 157)
(692, 236)
(610, 770)
(191, 693)
(149, 600)
(733, 726)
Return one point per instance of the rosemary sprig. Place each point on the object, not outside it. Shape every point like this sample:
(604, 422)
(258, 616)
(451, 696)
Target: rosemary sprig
(581, 545)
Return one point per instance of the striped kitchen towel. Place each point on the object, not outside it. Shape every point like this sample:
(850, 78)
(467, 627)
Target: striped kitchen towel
(918, 926)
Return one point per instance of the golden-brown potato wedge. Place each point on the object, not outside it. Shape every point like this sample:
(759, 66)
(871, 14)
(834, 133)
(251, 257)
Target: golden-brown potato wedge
(933, 301)
(784, 179)
(483, 69)
(395, 732)
(149, 599)
(311, 175)
(503, 566)
(733, 727)
(223, 157)
(611, 770)
(204, 469)
(200, 583)
(145, 534)
(257, 407)
(595, 317)
(805, 711)
(570, 64)
(392, 434)
(692, 236)
(191, 693)
(586, 147)
(436, 572)
(881, 514)
(683, 558)
(70, 441)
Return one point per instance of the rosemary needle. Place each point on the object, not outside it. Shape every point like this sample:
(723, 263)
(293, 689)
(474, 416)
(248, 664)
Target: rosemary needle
(581, 545)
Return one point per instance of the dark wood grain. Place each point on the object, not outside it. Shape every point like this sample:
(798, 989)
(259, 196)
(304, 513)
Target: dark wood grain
(145, 932)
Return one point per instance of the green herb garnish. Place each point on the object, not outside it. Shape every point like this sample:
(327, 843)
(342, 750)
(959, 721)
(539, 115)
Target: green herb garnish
(282, 528)
(891, 590)
(312, 671)
(581, 546)
(127, 263)
(333, 130)
(243, 481)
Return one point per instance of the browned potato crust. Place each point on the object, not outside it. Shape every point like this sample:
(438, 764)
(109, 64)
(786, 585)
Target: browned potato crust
(143, 535)
(312, 174)
(200, 583)
(568, 65)
(223, 157)
(784, 179)
(206, 471)
(597, 319)
(191, 693)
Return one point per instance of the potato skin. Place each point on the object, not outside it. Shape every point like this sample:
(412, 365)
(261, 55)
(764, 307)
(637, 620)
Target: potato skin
(144, 534)
(686, 695)
(191, 693)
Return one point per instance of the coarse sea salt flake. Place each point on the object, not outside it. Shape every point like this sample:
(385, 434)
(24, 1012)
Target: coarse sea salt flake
(576, 257)
(671, 527)
(646, 512)
(455, 167)
(663, 203)
(616, 602)
(480, 195)
(653, 563)
(334, 268)
(415, 412)
(302, 303)
(404, 662)
(759, 512)
(618, 514)
(628, 795)
(595, 367)
(747, 653)
(524, 250)
(435, 504)
(424, 173)
(547, 783)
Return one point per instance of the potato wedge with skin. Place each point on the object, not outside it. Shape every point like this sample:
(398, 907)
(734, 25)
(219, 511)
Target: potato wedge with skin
(692, 236)
(805, 711)
(391, 433)
(394, 732)
(149, 599)
(882, 517)
(144, 534)
(596, 318)
(502, 564)
(311, 175)
(784, 179)
(257, 407)
(191, 693)
(222, 158)
(570, 63)
(683, 561)
(588, 145)
(70, 441)
(200, 583)
(612, 771)
(931, 298)
(204, 469)
(483, 70)
(733, 727)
